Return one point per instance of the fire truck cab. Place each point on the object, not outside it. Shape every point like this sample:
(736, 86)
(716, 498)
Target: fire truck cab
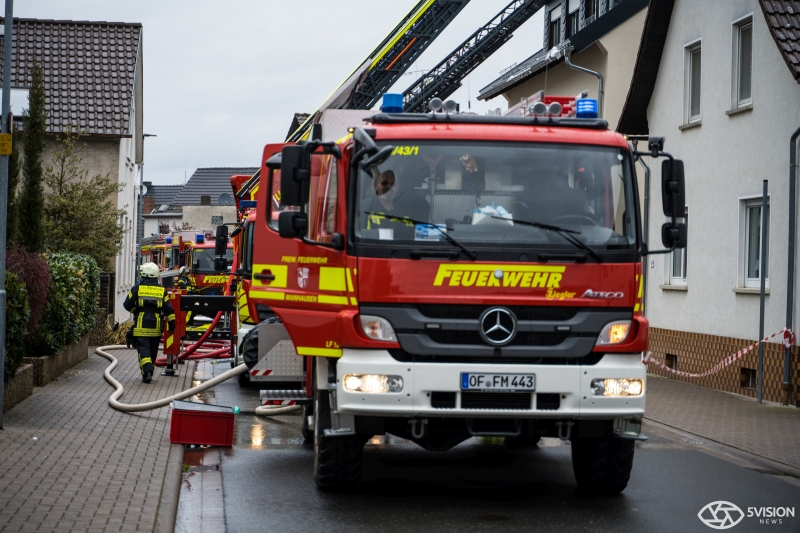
(454, 275)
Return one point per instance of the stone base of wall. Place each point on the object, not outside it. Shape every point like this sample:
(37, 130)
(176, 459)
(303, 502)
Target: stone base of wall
(696, 352)
(46, 368)
(18, 388)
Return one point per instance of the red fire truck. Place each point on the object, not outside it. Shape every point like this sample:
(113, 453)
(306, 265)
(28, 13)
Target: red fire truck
(447, 275)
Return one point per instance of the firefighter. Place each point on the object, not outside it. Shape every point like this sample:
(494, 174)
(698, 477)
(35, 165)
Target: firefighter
(184, 281)
(148, 301)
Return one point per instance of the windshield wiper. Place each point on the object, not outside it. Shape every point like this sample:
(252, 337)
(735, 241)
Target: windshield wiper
(567, 234)
(472, 255)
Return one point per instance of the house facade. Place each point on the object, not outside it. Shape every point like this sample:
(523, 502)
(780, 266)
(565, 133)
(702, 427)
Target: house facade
(93, 83)
(604, 35)
(719, 80)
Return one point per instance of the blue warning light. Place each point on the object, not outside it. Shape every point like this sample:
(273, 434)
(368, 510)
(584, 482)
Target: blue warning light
(392, 103)
(586, 108)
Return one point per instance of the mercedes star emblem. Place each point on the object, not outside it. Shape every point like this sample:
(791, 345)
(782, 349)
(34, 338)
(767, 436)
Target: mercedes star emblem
(498, 326)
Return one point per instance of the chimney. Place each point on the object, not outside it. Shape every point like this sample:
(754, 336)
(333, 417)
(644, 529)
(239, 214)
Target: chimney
(205, 199)
(148, 204)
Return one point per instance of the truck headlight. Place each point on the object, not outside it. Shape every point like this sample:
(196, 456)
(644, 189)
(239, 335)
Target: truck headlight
(377, 328)
(372, 383)
(615, 387)
(614, 333)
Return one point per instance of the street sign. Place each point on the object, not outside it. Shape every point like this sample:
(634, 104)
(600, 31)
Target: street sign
(5, 144)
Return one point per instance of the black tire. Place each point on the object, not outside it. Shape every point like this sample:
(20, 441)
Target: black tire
(337, 460)
(243, 379)
(602, 466)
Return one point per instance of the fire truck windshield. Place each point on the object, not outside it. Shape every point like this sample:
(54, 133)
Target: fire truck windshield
(204, 260)
(476, 191)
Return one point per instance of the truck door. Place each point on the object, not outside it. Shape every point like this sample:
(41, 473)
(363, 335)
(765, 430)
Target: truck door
(307, 283)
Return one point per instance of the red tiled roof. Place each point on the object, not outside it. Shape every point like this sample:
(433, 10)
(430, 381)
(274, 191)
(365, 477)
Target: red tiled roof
(783, 20)
(89, 71)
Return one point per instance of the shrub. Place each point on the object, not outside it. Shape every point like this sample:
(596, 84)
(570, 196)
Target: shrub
(32, 269)
(71, 304)
(17, 314)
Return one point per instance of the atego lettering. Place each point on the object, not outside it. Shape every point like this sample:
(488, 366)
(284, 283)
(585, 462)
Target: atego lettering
(603, 295)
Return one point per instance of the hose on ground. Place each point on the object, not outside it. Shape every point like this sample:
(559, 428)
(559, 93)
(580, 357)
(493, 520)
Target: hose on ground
(265, 410)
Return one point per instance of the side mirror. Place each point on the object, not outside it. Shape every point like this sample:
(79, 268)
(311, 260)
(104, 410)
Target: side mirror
(337, 241)
(368, 146)
(673, 188)
(196, 265)
(295, 173)
(221, 243)
(674, 235)
(292, 224)
(382, 155)
(220, 264)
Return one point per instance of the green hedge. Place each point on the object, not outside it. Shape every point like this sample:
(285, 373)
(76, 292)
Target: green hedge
(71, 303)
(17, 315)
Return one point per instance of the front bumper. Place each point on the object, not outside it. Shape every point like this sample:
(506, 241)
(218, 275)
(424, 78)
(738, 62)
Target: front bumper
(572, 383)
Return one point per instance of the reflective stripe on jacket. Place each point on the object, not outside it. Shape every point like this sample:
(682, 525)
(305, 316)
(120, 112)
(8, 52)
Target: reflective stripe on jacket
(149, 301)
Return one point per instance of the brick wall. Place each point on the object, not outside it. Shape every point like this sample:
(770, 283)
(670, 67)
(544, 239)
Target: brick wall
(696, 352)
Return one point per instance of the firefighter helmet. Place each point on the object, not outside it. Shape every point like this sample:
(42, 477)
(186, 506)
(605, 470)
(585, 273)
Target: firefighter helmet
(183, 271)
(149, 270)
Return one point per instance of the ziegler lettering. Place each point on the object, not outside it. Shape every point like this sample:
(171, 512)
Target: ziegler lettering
(515, 277)
(603, 295)
(559, 295)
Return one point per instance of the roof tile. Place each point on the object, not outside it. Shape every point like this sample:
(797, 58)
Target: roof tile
(782, 16)
(211, 182)
(64, 49)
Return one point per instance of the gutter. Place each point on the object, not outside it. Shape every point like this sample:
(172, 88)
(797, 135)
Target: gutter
(786, 386)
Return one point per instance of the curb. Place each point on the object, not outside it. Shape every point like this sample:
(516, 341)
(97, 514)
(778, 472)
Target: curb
(170, 491)
(669, 432)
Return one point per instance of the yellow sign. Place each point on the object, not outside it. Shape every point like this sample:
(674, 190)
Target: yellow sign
(5, 144)
(514, 276)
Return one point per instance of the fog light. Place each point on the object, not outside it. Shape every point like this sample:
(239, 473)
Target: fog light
(615, 387)
(372, 383)
(614, 333)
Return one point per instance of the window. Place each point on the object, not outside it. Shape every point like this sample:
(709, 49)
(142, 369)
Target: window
(750, 243)
(573, 14)
(692, 84)
(677, 263)
(671, 360)
(591, 10)
(554, 28)
(742, 67)
(748, 379)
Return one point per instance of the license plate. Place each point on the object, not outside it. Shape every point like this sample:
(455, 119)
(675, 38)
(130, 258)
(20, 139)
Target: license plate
(498, 382)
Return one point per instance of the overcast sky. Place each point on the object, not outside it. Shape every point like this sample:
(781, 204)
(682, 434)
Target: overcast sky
(223, 78)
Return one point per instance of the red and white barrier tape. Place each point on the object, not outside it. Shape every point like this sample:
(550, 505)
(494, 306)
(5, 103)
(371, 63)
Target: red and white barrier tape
(788, 340)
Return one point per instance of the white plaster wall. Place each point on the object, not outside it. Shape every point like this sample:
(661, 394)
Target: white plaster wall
(614, 56)
(151, 223)
(127, 200)
(199, 216)
(725, 158)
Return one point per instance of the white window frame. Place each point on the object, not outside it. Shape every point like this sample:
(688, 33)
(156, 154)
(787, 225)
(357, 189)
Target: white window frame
(669, 278)
(736, 29)
(745, 204)
(688, 49)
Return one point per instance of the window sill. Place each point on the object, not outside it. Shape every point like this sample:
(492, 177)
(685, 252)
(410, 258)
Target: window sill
(743, 109)
(749, 290)
(690, 125)
(674, 287)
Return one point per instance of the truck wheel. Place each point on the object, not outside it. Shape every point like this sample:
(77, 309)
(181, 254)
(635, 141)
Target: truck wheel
(602, 466)
(337, 460)
(243, 379)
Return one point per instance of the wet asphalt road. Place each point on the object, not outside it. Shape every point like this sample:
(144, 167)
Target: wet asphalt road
(481, 486)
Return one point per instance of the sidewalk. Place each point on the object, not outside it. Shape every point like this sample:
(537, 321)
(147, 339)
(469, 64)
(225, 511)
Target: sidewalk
(767, 430)
(69, 462)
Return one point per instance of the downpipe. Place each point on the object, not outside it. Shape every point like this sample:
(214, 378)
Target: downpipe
(786, 386)
(600, 93)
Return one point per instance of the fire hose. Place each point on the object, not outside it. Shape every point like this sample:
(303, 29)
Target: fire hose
(189, 354)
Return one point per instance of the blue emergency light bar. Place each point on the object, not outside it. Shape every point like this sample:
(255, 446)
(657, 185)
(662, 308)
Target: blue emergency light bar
(244, 204)
(392, 103)
(586, 108)
(199, 238)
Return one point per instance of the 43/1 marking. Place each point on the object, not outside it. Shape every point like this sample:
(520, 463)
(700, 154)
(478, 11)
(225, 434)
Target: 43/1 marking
(406, 150)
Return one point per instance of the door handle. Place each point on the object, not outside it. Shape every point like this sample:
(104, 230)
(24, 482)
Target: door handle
(266, 277)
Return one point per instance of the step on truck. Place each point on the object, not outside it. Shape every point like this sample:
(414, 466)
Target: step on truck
(450, 275)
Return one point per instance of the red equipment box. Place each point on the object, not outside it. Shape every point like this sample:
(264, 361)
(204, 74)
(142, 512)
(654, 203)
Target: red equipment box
(198, 423)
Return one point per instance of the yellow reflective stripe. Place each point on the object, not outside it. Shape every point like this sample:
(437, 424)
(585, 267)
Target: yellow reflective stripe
(268, 295)
(641, 285)
(281, 273)
(636, 308)
(146, 332)
(335, 300)
(169, 342)
(353, 301)
(145, 290)
(170, 318)
(325, 352)
(332, 279)
(401, 32)
(349, 281)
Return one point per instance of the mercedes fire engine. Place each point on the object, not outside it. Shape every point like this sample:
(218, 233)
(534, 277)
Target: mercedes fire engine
(441, 276)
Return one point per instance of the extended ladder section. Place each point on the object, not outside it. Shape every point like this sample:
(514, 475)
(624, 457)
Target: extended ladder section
(444, 79)
(389, 60)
